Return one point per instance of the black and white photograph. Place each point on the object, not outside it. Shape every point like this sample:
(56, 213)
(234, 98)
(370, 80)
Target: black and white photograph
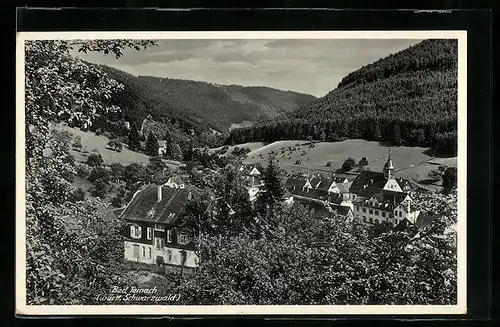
(241, 172)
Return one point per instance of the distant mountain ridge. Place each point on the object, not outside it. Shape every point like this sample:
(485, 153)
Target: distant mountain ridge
(409, 98)
(199, 105)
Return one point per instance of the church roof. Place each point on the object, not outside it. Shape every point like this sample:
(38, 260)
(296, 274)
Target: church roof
(368, 183)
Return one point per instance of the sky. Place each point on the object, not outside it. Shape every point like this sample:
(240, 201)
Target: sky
(307, 66)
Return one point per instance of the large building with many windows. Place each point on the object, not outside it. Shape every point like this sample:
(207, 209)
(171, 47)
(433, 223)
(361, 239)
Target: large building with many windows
(381, 197)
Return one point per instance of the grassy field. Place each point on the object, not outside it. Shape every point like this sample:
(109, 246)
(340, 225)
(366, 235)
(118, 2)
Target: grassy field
(90, 141)
(250, 145)
(409, 161)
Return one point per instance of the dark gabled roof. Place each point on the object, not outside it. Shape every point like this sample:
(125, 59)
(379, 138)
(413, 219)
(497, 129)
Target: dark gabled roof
(335, 198)
(295, 184)
(315, 181)
(145, 206)
(404, 184)
(317, 194)
(388, 200)
(325, 184)
(374, 182)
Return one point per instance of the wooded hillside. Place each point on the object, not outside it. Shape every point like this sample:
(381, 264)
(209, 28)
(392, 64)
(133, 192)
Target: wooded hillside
(406, 98)
(198, 105)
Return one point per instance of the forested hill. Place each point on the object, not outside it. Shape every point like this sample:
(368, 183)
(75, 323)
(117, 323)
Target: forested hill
(199, 105)
(406, 98)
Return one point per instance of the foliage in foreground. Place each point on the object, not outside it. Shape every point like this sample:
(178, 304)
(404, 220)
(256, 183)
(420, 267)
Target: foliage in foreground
(73, 249)
(305, 260)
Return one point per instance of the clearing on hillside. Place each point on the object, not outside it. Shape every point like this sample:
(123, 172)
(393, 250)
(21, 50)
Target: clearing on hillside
(299, 156)
(90, 141)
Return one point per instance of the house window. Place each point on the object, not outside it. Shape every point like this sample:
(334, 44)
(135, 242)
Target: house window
(371, 212)
(160, 243)
(353, 196)
(364, 218)
(371, 220)
(149, 233)
(400, 214)
(169, 255)
(182, 239)
(383, 214)
(149, 253)
(136, 250)
(169, 236)
(376, 212)
(143, 251)
(159, 227)
(376, 221)
(135, 231)
(364, 210)
(357, 208)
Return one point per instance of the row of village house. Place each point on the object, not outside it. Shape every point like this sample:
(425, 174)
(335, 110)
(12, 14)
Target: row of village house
(155, 235)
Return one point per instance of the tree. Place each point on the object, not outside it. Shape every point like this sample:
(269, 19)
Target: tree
(397, 135)
(348, 164)
(95, 160)
(450, 179)
(78, 194)
(99, 173)
(134, 139)
(77, 143)
(115, 145)
(116, 170)
(156, 164)
(73, 250)
(151, 144)
(135, 174)
(117, 201)
(322, 136)
(272, 192)
(363, 162)
(437, 174)
(175, 151)
(326, 261)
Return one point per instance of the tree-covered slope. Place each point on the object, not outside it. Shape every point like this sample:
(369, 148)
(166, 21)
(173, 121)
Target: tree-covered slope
(198, 105)
(271, 102)
(406, 98)
(419, 83)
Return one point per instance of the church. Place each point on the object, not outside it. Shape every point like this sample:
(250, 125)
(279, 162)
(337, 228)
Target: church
(381, 197)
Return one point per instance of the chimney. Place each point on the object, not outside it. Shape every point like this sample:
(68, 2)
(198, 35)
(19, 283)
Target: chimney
(159, 193)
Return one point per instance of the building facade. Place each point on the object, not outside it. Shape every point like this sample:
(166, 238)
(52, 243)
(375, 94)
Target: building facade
(154, 232)
(379, 197)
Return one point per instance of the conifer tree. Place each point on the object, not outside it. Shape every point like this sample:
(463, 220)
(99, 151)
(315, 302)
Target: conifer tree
(273, 191)
(398, 140)
(151, 144)
(134, 140)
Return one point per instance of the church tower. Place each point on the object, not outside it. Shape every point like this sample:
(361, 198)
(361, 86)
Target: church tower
(389, 168)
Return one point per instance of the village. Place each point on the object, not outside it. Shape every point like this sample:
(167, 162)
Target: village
(155, 233)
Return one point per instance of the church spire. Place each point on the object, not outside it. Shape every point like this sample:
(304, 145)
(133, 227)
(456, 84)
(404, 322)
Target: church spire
(389, 167)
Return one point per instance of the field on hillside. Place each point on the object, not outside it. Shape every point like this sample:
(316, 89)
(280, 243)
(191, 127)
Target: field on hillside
(90, 141)
(409, 161)
(250, 145)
